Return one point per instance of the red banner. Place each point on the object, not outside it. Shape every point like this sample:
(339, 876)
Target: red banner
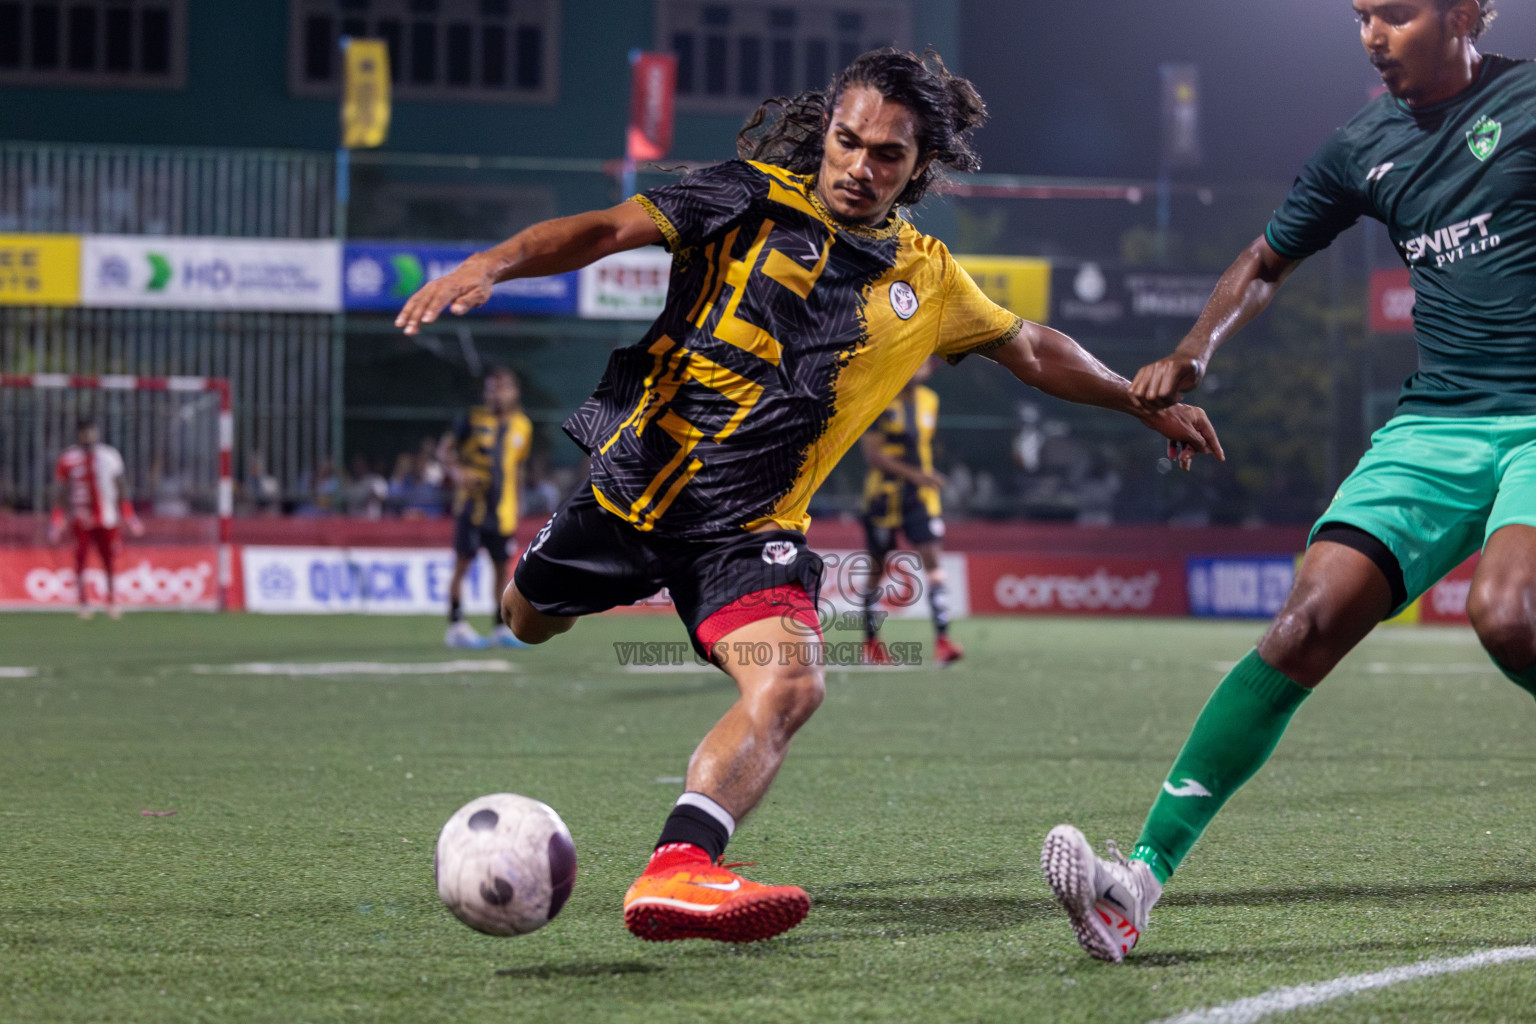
(652, 83)
(146, 577)
(1391, 301)
(1047, 585)
(1446, 601)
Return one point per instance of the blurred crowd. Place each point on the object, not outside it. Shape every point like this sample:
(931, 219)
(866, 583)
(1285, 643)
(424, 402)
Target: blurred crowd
(415, 485)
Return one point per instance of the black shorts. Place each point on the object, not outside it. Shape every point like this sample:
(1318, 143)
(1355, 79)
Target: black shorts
(587, 560)
(469, 537)
(916, 525)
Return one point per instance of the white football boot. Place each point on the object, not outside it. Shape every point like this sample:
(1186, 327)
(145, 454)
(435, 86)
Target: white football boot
(1107, 900)
(462, 634)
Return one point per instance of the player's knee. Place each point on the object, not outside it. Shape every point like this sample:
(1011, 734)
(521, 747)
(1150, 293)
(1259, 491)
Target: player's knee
(1501, 615)
(794, 695)
(1299, 645)
(527, 623)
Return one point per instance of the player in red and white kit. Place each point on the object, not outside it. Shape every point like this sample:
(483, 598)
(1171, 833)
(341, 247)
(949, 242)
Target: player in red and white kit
(90, 481)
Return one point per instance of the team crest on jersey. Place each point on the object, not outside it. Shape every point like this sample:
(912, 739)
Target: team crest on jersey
(903, 300)
(779, 552)
(1484, 137)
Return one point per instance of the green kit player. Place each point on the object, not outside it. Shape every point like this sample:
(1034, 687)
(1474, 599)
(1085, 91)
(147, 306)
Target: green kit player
(1447, 160)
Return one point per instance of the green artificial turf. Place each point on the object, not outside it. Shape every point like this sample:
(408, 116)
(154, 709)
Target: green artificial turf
(294, 881)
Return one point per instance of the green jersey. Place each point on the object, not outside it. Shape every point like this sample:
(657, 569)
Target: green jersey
(1455, 184)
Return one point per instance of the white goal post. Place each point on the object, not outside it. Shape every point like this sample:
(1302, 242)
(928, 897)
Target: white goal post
(177, 437)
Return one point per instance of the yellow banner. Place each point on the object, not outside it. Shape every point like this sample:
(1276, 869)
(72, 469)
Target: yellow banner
(365, 100)
(1017, 283)
(39, 270)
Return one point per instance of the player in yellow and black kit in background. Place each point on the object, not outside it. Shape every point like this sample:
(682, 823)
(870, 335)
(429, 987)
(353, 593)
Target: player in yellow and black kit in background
(483, 453)
(902, 498)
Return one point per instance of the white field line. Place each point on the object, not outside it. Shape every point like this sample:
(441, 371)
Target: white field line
(16, 672)
(354, 668)
(1284, 1000)
(1384, 668)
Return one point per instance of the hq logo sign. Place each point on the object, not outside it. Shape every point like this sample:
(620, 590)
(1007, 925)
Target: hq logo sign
(281, 275)
(379, 276)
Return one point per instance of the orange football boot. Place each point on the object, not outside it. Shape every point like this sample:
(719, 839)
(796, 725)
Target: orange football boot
(683, 895)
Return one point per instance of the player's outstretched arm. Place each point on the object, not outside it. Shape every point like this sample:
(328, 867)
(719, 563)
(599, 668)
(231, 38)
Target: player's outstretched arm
(549, 247)
(1242, 294)
(1052, 362)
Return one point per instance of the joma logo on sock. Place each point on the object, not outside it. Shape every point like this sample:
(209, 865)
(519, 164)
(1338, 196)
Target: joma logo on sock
(1189, 787)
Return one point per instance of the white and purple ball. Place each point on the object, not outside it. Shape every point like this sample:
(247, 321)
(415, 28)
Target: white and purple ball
(505, 864)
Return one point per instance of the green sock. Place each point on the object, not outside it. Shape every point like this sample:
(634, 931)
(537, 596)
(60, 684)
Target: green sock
(1232, 738)
(1525, 678)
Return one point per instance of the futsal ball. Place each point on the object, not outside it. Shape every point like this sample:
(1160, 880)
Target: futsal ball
(505, 864)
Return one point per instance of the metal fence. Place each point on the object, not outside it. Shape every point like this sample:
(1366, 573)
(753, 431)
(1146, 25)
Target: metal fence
(281, 366)
(132, 190)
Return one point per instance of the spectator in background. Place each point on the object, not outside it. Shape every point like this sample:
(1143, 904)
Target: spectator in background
(412, 491)
(366, 489)
(261, 489)
(320, 493)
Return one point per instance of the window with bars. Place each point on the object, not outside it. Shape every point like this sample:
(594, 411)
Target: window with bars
(731, 54)
(490, 50)
(116, 43)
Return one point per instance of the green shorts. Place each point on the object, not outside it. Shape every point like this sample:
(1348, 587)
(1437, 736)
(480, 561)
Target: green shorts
(1433, 489)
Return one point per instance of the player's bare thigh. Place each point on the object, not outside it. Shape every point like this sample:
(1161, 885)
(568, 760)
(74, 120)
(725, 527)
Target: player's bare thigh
(1339, 596)
(530, 625)
(1502, 600)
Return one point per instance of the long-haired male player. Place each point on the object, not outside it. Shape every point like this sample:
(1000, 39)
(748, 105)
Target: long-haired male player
(1446, 158)
(799, 304)
(90, 481)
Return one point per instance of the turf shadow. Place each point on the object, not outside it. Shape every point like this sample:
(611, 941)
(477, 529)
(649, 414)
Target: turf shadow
(720, 682)
(908, 883)
(858, 916)
(592, 970)
(1348, 893)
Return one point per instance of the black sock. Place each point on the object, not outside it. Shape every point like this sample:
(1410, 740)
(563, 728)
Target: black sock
(938, 600)
(455, 613)
(690, 825)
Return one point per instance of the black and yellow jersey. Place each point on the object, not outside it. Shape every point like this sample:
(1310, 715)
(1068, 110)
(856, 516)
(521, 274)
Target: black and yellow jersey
(905, 430)
(490, 450)
(785, 332)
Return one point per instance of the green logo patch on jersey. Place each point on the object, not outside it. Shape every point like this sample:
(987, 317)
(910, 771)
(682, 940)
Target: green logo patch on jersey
(1484, 137)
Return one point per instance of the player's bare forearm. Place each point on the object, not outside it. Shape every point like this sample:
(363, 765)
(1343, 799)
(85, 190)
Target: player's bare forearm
(570, 243)
(1242, 293)
(549, 247)
(1052, 362)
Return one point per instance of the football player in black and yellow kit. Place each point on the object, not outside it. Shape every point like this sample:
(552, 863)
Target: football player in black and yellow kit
(799, 304)
(484, 453)
(902, 499)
